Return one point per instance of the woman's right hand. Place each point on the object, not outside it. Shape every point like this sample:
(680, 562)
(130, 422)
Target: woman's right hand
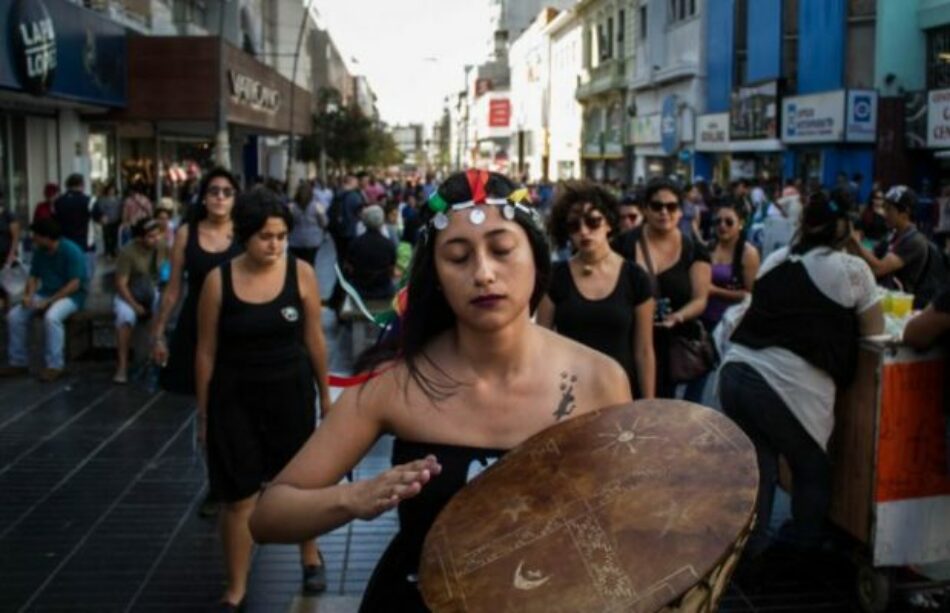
(371, 498)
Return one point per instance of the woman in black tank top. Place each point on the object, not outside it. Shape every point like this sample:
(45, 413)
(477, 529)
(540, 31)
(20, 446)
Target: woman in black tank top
(467, 376)
(260, 350)
(597, 298)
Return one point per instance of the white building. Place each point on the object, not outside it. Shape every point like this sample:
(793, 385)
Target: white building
(515, 16)
(667, 85)
(564, 111)
(529, 60)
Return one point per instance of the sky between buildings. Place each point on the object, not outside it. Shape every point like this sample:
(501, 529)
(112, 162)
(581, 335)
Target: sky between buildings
(412, 51)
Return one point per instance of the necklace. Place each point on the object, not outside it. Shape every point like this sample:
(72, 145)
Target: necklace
(587, 268)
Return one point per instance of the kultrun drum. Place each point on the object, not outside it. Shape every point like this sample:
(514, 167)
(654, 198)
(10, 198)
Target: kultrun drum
(639, 507)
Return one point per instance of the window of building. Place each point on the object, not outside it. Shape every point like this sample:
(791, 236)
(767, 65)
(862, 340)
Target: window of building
(191, 12)
(610, 37)
(643, 23)
(938, 58)
(621, 26)
(681, 10)
(740, 43)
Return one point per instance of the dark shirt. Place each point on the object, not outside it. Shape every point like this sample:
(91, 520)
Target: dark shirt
(6, 237)
(54, 270)
(352, 206)
(942, 302)
(73, 213)
(371, 258)
(911, 247)
(607, 324)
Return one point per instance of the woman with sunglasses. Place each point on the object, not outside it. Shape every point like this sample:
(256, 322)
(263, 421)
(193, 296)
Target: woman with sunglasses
(680, 274)
(598, 298)
(734, 264)
(466, 377)
(200, 246)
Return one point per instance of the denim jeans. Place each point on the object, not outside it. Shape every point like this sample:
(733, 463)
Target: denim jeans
(18, 328)
(762, 414)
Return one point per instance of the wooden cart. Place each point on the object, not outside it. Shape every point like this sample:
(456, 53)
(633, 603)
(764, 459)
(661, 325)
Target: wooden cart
(891, 479)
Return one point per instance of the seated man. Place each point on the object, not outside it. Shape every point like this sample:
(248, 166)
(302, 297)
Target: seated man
(56, 289)
(902, 266)
(136, 282)
(371, 258)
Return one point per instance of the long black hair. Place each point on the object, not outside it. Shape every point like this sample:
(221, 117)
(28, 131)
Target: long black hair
(428, 313)
(739, 249)
(819, 226)
(198, 211)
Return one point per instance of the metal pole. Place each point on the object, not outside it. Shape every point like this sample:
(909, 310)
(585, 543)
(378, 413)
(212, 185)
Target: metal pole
(222, 149)
(293, 91)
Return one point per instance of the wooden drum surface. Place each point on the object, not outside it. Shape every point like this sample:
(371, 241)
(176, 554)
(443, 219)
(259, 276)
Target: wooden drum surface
(628, 508)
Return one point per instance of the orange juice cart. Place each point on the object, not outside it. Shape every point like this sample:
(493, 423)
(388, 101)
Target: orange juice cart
(891, 487)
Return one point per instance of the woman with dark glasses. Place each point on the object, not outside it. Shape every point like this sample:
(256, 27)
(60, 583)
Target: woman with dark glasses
(679, 270)
(734, 263)
(596, 297)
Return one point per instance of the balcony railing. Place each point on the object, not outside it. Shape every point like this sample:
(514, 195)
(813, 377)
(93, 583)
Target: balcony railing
(607, 76)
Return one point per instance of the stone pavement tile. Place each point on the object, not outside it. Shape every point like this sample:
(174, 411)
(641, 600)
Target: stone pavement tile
(325, 604)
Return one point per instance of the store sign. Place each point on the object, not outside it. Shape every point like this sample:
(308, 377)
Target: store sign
(669, 125)
(818, 118)
(646, 130)
(712, 132)
(915, 119)
(250, 92)
(754, 112)
(33, 40)
(862, 116)
(499, 113)
(938, 119)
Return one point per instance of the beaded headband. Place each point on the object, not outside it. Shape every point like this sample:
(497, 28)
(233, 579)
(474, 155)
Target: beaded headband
(477, 180)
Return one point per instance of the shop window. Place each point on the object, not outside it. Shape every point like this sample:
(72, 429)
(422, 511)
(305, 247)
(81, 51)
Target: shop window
(621, 26)
(938, 58)
(681, 10)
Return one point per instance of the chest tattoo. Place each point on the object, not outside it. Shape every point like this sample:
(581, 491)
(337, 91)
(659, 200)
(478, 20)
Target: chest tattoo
(566, 405)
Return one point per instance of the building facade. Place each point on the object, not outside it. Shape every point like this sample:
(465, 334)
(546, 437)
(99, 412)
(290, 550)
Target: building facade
(564, 111)
(529, 59)
(667, 85)
(607, 57)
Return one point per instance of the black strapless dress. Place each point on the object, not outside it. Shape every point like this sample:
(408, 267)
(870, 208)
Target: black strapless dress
(393, 586)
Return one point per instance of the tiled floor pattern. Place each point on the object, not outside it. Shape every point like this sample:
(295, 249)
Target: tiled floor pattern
(99, 488)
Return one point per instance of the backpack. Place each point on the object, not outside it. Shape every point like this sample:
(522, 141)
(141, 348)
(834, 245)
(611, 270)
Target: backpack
(336, 224)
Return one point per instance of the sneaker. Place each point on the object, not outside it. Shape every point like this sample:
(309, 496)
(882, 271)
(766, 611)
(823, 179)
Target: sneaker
(51, 374)
(120, 378)
(13, 371)
(314, 578)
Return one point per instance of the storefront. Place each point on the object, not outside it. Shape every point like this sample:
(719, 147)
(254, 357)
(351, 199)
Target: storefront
(603, 144)
(182, 89)
(757, 152)
(664, 142)
(712, 147)
(830, 133)
(61, 69)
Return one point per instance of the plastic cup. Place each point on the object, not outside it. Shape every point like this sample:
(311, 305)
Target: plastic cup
(887, 303)
(902, 305)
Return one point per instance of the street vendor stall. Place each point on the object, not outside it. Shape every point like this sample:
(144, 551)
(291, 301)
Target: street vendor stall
(889, 454)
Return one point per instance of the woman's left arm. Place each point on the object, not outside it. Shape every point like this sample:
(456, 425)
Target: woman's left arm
(700, 278)
(643, 355)
(750, 267)
(313, 330)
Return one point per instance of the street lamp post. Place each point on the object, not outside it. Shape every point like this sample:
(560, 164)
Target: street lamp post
(222, 149)
(293, 91)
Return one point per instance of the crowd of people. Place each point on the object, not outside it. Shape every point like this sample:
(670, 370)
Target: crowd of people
(629, 288)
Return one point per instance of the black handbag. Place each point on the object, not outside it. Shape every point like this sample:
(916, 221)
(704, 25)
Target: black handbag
(690, 356)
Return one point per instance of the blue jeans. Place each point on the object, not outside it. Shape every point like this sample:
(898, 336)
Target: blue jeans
(18, 327)
(762, 414)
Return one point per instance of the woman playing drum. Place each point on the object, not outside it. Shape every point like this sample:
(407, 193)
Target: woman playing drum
(469, 377)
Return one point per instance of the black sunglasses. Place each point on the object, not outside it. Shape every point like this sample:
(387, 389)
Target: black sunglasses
(725, 221)
(658, 205)
(592, 222)
(227, 192)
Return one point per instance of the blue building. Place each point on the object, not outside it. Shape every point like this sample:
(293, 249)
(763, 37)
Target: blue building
(790, 90)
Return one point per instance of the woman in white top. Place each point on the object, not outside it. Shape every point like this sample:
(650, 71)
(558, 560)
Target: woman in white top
(797, 343)
(309, 223)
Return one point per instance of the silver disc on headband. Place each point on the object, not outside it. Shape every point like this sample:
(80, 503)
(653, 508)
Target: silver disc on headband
(477, 216)
(440, 221)
(508, 212)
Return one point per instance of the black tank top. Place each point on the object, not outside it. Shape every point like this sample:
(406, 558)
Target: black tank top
(607, 324)
(393, 584)
(261, 337)
(198, 262)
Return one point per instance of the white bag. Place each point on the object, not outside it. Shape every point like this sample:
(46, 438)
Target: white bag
(13, 279)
